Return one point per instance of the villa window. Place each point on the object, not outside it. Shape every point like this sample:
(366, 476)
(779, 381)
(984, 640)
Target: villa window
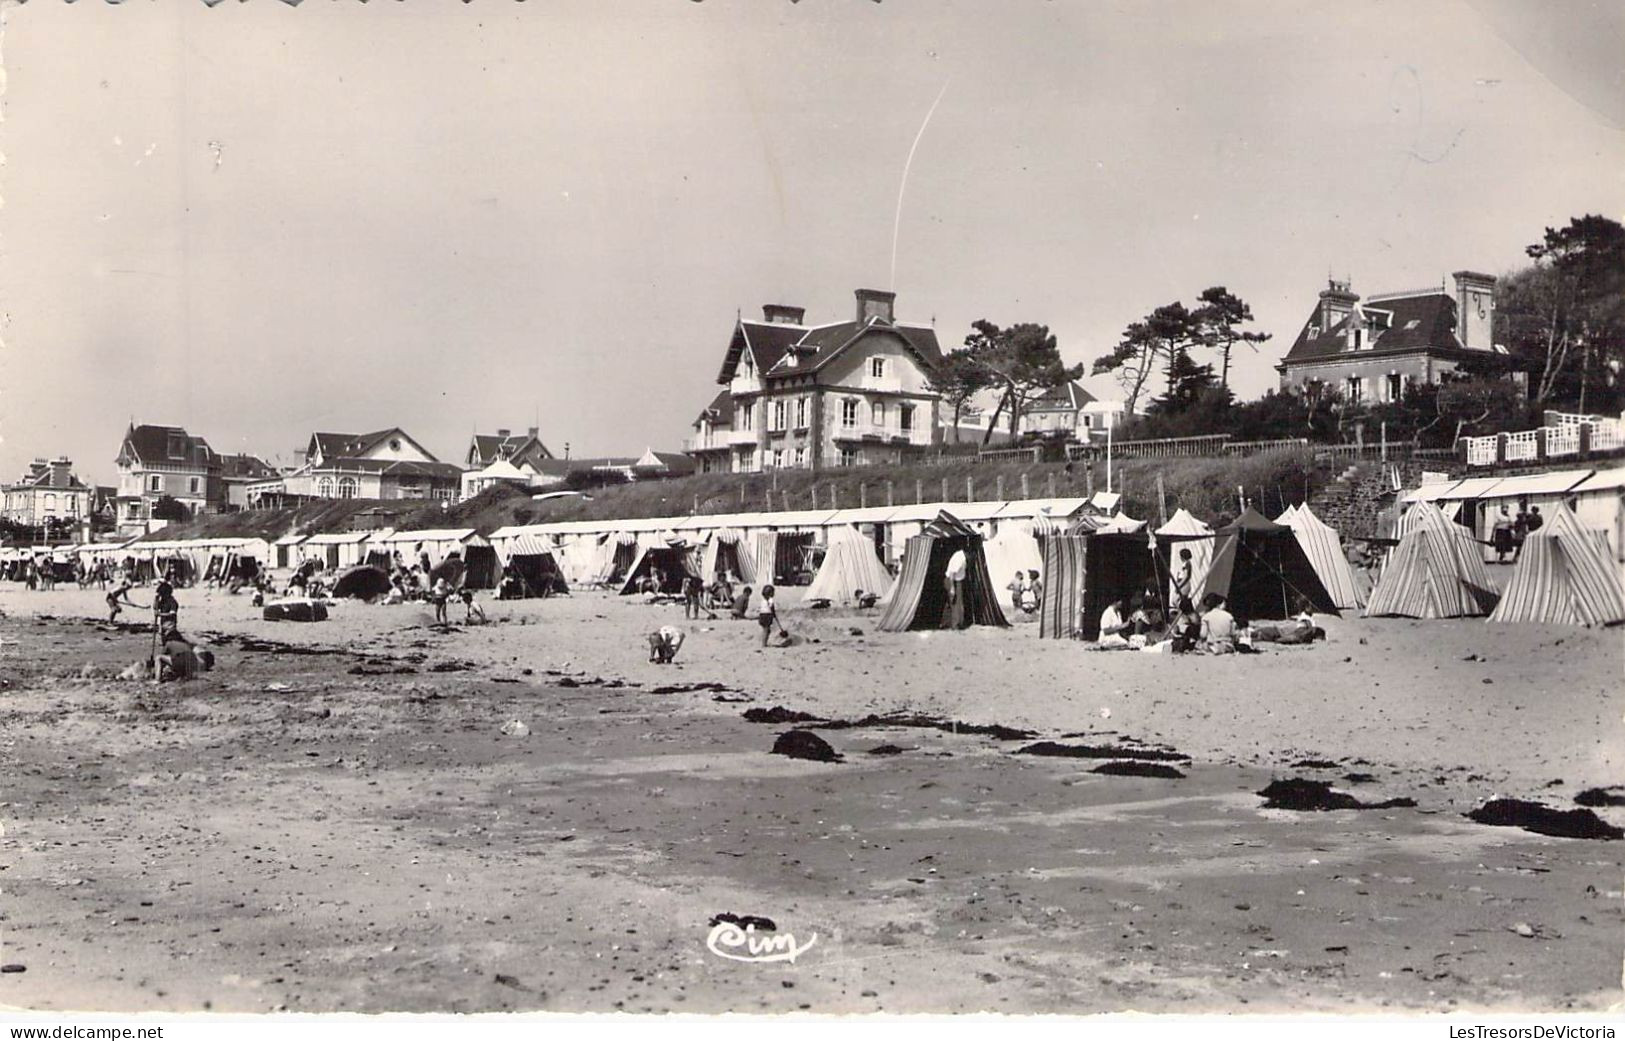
(778, 458)
(347, 487)
(801, 412)
(780, 415)
(849, 412)
(324, 488)
(194, 485)
(877, 414)
(1396, 386)
(747, 417)
(155, 483)
(905, 417)
(849, 456)
(877, 368)
(1356, 387)
(801, 457)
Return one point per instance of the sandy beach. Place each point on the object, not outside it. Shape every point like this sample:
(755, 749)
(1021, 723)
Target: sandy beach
(304, 827)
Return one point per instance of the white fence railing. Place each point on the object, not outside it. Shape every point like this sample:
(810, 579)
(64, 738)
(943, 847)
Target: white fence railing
(1566, 435)
(1524, 446)
(1563, 440)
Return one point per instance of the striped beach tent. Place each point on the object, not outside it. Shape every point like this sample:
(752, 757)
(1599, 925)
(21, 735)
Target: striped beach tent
(1324, 549)
(850, 564)
(919, 600)
(1084, 573)
(1435, 571)
(1564, 575)
(728, 552)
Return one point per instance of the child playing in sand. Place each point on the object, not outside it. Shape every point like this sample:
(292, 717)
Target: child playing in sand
(664, 643)
(470, 608)
(767, 616)
(439, 595)
(741, 603)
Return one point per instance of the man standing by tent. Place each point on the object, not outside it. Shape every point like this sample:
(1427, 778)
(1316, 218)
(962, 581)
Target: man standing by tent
(953, 581)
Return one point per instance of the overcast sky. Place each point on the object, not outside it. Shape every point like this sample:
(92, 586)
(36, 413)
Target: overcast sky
(258, 220)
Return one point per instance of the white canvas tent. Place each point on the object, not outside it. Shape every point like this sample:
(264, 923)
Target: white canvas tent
(850, 564)
(1185, 532)
(1564, 576)
(1013, 549)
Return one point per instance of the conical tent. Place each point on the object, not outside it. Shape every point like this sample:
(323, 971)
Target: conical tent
(1434, 572)
(1324, 549)
(1564, 575)
(920, 597)
(1261, 570)
(1184, 532)
(1013, 549)
(850, 565)
(728, 552)
(535, 563)
(1085, 573)
(1286, 515)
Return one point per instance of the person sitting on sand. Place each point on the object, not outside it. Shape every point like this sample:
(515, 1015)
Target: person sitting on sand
(1186, 632)
(1114, 628)
(470, 608)
(1218, 626)
(740, 607)
(865, 600)
(664, 643)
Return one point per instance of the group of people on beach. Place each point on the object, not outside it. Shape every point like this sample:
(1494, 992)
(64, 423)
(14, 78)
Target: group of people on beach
(698, 598)
(1508, 532)
(1137, 623)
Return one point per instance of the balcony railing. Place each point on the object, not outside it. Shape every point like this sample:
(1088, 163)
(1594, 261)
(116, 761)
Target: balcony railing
(882, 432)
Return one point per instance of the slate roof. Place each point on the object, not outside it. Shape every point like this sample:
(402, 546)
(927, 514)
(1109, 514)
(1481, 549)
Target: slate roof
(823, 343)
(40, 475)
(389, 467)
(489, 448)
(245, 467)
(148, 443)
(1405, 324)
(767, 342)
(677, 464)
(1067, 396)
(720, 411)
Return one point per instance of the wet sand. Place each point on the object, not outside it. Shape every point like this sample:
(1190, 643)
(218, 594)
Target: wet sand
(320, 832)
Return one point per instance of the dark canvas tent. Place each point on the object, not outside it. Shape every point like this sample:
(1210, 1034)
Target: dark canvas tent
(1260, 569)
(452, 569)
(532, 562)
(1564, 575)
(362, 582)
(671, 559)
(1436, 571)
(1085, 572)
(728, 552)
(920, 596)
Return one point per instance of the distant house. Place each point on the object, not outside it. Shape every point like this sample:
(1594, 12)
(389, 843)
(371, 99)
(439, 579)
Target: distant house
(384, 464)
(500, 471)
(808, 397)
(48, 494)
(1371, 350)
(651, 465)
(155, 462)
(238, 473)
(506, 446)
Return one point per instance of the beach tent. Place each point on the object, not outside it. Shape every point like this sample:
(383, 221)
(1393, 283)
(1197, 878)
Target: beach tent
(362, 582)
(616, 555)
(919, 597)
(286, 549)
(781, 554)
(1120, 524)
(1599, 502)
(1013, 549)
(336, 549)
(850, 564)
(1564, 575)
(1083, 573)
(1435, 571)
(728, 552)
(1185, 532)
(1323, 547)
(534, 562)
(672, 557)
(1261, 570)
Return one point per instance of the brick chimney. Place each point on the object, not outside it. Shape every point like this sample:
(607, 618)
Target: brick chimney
(1336, 303)
(875, 303)
(783, 314)
(61, 472)
(1475, 310)
(503, 431)
(533, 431)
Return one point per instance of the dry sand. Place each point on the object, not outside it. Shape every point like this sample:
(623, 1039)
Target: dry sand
(317, 831)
